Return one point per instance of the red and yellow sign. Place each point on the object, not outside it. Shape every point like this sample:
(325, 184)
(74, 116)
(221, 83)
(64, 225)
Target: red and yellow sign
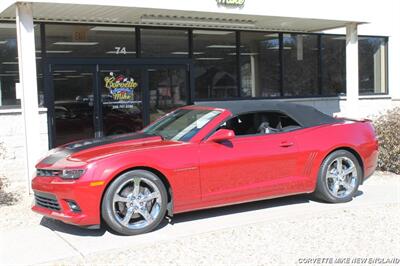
(121, 88)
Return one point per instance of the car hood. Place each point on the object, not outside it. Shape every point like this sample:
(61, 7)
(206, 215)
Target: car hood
(84, 151)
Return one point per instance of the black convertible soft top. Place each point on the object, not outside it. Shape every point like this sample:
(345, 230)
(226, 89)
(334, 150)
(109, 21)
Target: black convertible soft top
(306, 116)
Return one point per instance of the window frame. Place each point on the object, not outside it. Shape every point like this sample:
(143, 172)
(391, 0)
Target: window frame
(386, 58)
(137, 41)
(216, 128)
(320, 68)
(237, 71)
(148, 127)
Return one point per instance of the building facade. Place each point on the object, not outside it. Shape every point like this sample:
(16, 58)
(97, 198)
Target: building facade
(74, 69)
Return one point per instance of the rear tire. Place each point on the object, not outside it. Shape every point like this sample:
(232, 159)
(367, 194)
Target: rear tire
(339, 177)
(134, 203)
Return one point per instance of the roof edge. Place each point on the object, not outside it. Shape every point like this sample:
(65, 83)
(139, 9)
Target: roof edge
(5, 4)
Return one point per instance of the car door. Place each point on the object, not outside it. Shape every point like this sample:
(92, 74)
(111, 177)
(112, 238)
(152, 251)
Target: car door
(246, 167)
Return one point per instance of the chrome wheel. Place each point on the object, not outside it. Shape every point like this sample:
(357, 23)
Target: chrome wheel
(341, 177)
(137, 203)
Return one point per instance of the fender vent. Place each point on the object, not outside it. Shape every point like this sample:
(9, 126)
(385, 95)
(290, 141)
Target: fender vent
(309, 163)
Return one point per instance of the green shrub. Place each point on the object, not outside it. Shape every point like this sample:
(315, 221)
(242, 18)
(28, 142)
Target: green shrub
(387, 127)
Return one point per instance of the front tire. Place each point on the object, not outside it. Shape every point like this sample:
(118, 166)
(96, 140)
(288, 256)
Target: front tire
(134, 203)
(339, 177)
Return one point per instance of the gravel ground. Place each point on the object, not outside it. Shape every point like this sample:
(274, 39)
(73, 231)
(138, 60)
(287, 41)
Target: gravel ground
(367, 232)
(371, 232)
(15, 205)
(360, 233)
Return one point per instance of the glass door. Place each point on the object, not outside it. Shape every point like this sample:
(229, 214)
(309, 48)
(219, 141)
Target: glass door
(88, 101)
(73, 103)
(168, 89)
(121, 88)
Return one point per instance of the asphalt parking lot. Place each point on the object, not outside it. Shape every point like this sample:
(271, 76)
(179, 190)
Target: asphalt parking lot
(279, 231)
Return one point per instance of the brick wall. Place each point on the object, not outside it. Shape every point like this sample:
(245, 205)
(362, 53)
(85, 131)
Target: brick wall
(12, 164)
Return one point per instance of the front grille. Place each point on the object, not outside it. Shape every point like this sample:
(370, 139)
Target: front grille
(47, 201)
(47, 172)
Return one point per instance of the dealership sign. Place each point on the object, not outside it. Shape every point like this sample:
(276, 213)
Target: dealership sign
(122, 90)
(230, 3)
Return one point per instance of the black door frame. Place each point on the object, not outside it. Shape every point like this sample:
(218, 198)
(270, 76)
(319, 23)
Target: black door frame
(143, 64)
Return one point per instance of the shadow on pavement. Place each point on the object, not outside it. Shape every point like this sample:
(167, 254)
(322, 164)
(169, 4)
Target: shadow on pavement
(357, 194)
(59, 226)
(239, 208)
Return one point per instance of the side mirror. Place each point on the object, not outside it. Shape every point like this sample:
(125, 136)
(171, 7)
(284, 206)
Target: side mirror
(221, 135)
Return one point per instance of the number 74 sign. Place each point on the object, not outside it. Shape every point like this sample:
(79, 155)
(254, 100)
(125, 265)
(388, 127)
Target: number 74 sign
(120, 50)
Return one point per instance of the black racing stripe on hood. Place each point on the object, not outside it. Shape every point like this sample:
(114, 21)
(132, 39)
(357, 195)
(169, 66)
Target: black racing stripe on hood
(90, 143)
(55, 157)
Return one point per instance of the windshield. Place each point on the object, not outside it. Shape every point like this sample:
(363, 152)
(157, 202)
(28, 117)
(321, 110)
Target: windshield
(181, 124)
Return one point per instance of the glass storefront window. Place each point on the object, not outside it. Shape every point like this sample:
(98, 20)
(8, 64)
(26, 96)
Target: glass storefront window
(259, 58)
(90, 41)
(9, 72)
(164, 43)
(333, 65)
(300, 65)
(167, 90)
(73, 103)
(122, 99)
(372, 63)
(8, 66)
(214, 54)
(214, 60)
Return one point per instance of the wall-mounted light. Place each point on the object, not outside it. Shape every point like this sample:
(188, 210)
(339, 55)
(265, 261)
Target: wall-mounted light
(186, 53)
(222, 46)
(76, 43)
(55, 51)
(120, 29)
(209, 58)
(115, 52)
(212, 32)
(65, 71)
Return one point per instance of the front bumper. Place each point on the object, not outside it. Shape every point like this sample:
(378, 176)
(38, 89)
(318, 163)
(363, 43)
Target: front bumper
(52, 195)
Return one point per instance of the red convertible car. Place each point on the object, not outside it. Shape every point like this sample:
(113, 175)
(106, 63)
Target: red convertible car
(204, 156)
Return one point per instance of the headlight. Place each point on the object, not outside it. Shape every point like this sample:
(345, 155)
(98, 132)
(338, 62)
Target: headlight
(71, 173)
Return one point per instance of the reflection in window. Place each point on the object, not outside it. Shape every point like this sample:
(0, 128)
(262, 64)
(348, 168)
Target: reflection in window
(182, 124)
(164, 43)
(372, 64)
(9, 65)
(167, 90)
(214, 54)
(259, 59)
(122, 106)
(300, 63)
(9, 72)
(73, 103)
(333, 64)
(90, 41)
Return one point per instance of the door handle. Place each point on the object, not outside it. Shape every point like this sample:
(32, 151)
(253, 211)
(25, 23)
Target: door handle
(286, 144)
